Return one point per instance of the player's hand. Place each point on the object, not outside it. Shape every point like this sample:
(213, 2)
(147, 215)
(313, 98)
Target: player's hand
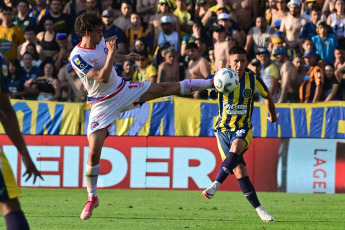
(111, 44)
(31, 169)
(132, 56)
(272, 120)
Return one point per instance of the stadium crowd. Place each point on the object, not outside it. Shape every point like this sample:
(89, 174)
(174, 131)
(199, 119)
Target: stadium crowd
(297, 48)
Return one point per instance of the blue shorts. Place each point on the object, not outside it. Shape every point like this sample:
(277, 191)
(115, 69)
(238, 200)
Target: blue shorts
(225, 139)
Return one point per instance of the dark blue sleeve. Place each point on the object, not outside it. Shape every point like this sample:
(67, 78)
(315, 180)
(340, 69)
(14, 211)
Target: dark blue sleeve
(121, 37)
(209, 76)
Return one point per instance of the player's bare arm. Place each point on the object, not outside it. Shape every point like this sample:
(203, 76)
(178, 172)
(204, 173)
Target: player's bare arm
(9, 120)
(269, 102)
(339, 71)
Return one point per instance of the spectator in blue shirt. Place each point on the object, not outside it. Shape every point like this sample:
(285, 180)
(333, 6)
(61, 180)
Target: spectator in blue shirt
(309, 29)
(325, 42)
(15, 80)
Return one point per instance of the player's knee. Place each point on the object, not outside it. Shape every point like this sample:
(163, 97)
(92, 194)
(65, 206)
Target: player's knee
(240, 171)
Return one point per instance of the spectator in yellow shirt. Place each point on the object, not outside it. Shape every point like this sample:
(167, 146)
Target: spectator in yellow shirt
(146, 72)
(184, 17)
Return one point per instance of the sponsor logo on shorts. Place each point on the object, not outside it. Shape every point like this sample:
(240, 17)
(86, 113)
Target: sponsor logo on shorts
(94, 125)
(240, 132)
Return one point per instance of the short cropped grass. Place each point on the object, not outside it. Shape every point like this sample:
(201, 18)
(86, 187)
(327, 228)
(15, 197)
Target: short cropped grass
(166, 209)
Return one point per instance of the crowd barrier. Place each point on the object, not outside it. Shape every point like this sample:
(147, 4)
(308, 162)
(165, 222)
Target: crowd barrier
(176, 116)
(308, 165)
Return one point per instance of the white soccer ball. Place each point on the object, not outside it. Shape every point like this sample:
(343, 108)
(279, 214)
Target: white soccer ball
(226, 80)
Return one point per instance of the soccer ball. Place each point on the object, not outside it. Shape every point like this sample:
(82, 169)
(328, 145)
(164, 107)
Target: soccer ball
(226, 80)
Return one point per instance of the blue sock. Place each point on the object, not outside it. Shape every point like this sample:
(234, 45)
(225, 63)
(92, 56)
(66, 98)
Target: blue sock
(249, 191)
(230, 162)
(16, 221)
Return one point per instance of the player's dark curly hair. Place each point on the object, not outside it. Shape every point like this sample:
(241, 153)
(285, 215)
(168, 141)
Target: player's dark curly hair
(86, 22)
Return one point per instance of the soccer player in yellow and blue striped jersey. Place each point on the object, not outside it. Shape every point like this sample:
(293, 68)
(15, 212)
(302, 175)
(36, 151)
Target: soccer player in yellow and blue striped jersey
(234, 129)
(9, 191)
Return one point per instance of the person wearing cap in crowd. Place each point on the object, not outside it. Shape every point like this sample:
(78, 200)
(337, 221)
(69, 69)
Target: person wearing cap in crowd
(309, 29)
(164, 8)
(291, 25)
(169, 70)
(225, 21)
(137, 31)
(312, 85)
(337, 20)
(61, 58)
(278, 15)
(290, 82)
(146, 8)
(168, 34)
(221, 46)
(245, 12)
(309, 4)
(324, 42)
(255, 66)
(22, 18)
(269, 71)
(198, 68)
(124, 21)
(110, 30)
(277, 41)
(259, 35)
(214, 11)
(184, 17)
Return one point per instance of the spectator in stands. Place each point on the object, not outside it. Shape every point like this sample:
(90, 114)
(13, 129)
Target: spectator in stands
(291, 26)
(309, 29)
(74, 8)
(110, 30)
(331, 87)
(169, 71)
(328, 7)
(337, 20)
(168, 34)
(221, 47)
(278, 15)
(324, 42)
(164, 8)
(137, 31)
(311, 87)
(22, 18)
(184, 17)
(339, 54)
(61, 58)
(277, 41)
(212, 59)
(31, 48)
(158, 58)
(255, 66)
(307, 44)
(30, 37)
(47, 86)
(197, 32)
(224, 20)
(259, 35)
(47, 39)
(124, 21)
(146, 9)
(63, 22)
(271, 9)
(146, 72)
(298, 62)
(309, 4)
(128, 70)
(212, 13)
(201, 8)
(15, 80)
(270, 74)
(30, 71)
(11, 36)
(108, 5)
(40, 9)
(245, 11)
(72, 88)
(198, 68)
(290, 82)
(93, 6)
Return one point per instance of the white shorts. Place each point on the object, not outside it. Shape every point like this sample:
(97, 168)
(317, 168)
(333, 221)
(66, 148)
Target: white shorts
(104, 111)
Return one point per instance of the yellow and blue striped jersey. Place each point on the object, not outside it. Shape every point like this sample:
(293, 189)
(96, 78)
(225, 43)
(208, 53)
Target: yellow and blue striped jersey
(235, 109)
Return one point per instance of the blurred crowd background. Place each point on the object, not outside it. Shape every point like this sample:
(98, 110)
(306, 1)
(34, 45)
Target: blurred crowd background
(296, 47)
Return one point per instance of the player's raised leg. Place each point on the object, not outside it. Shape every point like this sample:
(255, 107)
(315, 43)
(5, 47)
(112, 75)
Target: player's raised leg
(96, 141)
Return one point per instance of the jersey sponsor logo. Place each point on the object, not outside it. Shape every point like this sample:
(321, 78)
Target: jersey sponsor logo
(94, 125)
(234, 109)
(247, 93)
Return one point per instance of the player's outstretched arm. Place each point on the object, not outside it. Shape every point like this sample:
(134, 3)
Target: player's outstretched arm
(271, 108)
(9, 120)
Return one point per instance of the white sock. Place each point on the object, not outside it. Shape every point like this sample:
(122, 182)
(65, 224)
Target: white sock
(191, 85)
(260, 209)
(92, 173)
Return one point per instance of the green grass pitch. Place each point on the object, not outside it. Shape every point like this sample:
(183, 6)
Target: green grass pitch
(167, 209)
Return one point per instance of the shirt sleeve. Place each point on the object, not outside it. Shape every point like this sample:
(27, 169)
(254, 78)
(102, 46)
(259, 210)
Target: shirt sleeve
(261, 87)
(81, 63)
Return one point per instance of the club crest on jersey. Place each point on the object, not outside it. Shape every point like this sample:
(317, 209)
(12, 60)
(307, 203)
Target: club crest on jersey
(106, 50)
(94, 125)
(77, 61)
(247, 92)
